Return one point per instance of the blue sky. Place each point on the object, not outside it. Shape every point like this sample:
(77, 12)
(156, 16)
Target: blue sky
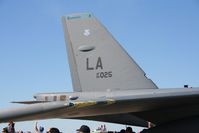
(162, 36)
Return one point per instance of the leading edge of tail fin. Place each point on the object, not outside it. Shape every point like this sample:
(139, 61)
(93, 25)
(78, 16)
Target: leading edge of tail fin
(97, 61)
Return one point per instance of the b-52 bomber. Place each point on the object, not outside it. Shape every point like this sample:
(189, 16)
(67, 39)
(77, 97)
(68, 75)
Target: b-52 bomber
(109, 86)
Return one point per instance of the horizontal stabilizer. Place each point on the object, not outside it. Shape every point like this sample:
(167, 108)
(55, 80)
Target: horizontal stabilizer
(32, 112)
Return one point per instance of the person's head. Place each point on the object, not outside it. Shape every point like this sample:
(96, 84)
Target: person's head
(122, 131)
(129, 130)
(83, 129)
(11, 124)
(41, 129)
(53, 130)
(5, 130)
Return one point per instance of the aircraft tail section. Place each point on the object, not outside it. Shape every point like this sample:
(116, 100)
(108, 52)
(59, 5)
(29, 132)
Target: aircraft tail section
(97, 61)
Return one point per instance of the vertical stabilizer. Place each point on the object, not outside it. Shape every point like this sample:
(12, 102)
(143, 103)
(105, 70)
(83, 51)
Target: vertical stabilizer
(97, 61)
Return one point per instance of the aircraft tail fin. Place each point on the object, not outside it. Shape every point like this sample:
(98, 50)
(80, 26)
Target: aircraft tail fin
(97, 61)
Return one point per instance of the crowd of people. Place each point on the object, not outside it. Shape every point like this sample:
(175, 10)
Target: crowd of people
(83, 129)
(11, 129)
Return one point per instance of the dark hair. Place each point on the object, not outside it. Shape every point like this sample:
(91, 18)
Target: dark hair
(54, 130)
(129, 130)
(5, 130)
(122, 131)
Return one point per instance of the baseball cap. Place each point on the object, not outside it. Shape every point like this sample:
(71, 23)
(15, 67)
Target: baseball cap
(84, 129)
(41, 129)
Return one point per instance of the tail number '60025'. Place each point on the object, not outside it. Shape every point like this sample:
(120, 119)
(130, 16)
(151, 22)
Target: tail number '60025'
(104, 74)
